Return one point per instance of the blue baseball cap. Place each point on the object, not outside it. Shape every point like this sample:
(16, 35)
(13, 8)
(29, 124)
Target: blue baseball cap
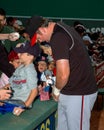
(27, 48)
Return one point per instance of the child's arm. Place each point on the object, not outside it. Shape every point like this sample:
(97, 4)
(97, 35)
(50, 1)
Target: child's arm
(17, 110)
(33, 94)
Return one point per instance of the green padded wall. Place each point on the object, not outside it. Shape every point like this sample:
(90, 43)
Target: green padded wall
(89, 12)
(55, 8)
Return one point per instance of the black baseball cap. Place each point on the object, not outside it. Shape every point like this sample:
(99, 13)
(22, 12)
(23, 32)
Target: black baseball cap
(33, 24)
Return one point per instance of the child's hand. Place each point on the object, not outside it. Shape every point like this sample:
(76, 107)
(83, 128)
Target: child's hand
(17, 111)
(40, 88)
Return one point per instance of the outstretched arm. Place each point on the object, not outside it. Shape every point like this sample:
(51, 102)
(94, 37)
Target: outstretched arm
(10, 36)
(4, 36)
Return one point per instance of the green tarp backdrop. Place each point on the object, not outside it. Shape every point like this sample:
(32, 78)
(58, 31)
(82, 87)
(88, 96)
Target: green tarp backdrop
(89, 12)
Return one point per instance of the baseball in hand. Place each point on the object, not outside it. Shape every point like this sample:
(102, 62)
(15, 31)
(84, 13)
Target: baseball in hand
(14, 36)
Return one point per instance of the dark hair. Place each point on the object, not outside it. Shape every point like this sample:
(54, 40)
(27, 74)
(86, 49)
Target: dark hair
(76, 23)
(45, 22)
(2, 12)
(10, 20)
(80, 28)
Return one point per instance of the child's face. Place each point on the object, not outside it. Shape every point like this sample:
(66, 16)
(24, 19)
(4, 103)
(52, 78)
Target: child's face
(51, 66)
(25, 58)
(42, 66)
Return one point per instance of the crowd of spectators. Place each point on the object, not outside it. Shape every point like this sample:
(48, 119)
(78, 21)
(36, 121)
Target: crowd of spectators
(45, 64)
(47, 75)
(94, 43)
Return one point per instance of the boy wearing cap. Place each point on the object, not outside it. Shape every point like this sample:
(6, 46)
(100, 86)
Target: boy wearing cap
(42, 63)
(24, 79)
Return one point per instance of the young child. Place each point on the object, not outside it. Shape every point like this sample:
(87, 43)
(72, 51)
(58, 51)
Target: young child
(24, 79)
(51, 63)
(44, 78)
(42, 63)
(14, 60)
(51, 69)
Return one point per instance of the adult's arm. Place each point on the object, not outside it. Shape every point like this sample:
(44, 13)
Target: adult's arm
(62, 76)
(62, 73)
(4, 36)
(10, 36)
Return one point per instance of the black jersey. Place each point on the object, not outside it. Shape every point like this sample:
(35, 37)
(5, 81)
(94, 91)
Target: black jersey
(67, 44)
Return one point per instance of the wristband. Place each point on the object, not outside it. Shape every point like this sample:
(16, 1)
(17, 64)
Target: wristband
(56, 91)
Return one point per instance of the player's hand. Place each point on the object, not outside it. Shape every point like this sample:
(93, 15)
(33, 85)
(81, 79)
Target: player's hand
(56, 98)
(55, 93)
